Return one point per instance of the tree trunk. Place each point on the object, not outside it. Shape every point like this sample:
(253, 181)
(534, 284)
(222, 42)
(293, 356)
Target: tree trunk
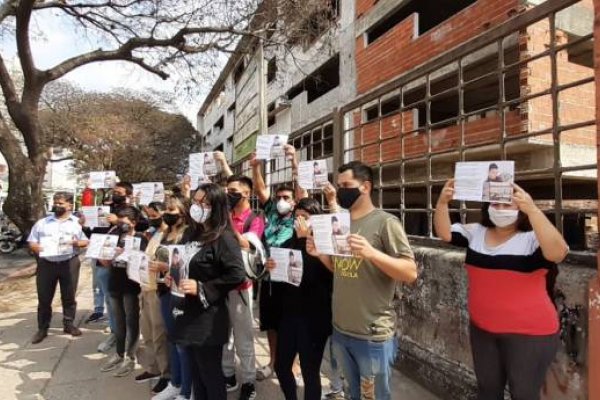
(25, 202)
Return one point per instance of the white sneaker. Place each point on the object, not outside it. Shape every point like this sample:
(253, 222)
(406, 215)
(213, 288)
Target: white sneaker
(107, 344)
(113, 363)
(126, 367)
(169, 393)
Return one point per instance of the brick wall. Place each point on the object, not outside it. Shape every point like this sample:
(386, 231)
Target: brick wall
(398, 51)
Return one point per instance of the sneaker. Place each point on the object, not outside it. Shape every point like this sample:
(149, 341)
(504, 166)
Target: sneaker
(248, 392)
(95, 317)
(145, 377)
(333, 395)
(231, 383)
(160, 385)
(264, 372)
(39, 336)
(72, 330)
(113, 363)
(126, 367)
(107, 344)
(107, 330)
(170, 393)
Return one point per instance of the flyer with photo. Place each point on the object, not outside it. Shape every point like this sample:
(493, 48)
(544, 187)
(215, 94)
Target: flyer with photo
(137, 269)
(55, 246)
(270, 147)
(102, 247)
(131, 244)
(148, 192)
(197, 180)
(289, 266)
(203, 164)
(331, 232)
(312, 175)
(102, 179)
(484, 181)
(96, 216)
(177, 268)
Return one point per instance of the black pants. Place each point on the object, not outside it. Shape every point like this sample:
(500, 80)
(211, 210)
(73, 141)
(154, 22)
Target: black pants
(293, 337)
(47, 276)
(126, 311)
(519, 359)
(208, 382)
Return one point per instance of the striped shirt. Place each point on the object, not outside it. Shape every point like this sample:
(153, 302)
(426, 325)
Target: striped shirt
(508, 283)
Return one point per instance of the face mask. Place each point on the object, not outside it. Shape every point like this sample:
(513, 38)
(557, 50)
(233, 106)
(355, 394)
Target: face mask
(346, 197)
(233, 199)
(170, 219)
(124, 227)
(503, 218)
(199, 214)
(59, 211)
(156, 222)
(283, 207)
(118, 199)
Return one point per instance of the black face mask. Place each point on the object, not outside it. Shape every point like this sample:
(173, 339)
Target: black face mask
(233, 199)
(59, 211)
(118, 199)
(346, 197)
(171, 219)
(156, 222)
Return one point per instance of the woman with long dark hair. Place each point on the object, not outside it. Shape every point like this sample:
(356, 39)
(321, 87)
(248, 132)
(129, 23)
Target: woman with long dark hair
(215, 267)
(306, 323)
(511, 266)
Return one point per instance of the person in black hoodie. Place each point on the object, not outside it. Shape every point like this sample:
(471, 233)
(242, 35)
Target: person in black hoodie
(306, 321)
(202, 319)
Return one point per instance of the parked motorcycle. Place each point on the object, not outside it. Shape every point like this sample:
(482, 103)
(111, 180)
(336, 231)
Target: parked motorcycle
(10, 240)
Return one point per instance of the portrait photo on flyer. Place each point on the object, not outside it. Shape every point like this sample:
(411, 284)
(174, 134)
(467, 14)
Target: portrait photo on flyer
(177, 268)
(270, 147)
(102, 247)
(484, 181)
(312, 175)
(288, 266)
(331, 232)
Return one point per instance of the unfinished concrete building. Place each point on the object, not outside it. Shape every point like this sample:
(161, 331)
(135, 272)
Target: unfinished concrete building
(413, 86)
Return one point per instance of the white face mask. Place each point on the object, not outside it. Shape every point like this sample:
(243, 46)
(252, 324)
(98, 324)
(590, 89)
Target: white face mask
(199, 214)
(283, 207)
(503, 218)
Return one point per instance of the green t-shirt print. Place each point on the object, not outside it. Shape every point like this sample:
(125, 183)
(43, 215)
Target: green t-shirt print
(362, 294)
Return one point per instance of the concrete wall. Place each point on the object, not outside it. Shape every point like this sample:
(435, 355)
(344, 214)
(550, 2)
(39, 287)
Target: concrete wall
(433, 326)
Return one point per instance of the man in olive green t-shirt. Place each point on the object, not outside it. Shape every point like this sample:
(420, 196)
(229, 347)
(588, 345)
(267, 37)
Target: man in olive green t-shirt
(364, 319)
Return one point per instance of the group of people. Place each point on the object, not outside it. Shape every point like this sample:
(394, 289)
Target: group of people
(190, 344)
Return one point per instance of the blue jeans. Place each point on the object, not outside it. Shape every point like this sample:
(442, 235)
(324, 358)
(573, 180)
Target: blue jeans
(102, 276)
(98, 292)
(181, 373)
(367, 365)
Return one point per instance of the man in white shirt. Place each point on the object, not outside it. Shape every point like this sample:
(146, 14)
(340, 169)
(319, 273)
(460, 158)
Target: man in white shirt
(56, 240)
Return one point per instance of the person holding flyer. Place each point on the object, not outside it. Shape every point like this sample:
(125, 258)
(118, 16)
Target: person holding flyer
(60, 269)
(124, 296)
(511, 267)
(306, 323)
(216, 268)
(364, 319)
(239, 301)
(279, 214)
(175, 231)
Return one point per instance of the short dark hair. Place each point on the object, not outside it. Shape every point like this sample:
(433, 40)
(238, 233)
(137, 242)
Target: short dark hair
(334, 218)
(360, 171)
(127, 186)
(130, 212)
(66, 196)
(523, 223)
(157, 206)
(311, 206)
(284, 188)
(243, 179)
(493, 166)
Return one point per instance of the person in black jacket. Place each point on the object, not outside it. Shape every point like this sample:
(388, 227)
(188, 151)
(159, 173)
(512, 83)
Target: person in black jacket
(306, 321)
(202, 319)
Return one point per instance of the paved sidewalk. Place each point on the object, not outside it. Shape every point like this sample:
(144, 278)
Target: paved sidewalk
(62, 367)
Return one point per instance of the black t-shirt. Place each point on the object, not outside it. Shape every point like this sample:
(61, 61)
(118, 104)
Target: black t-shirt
(312, 299)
